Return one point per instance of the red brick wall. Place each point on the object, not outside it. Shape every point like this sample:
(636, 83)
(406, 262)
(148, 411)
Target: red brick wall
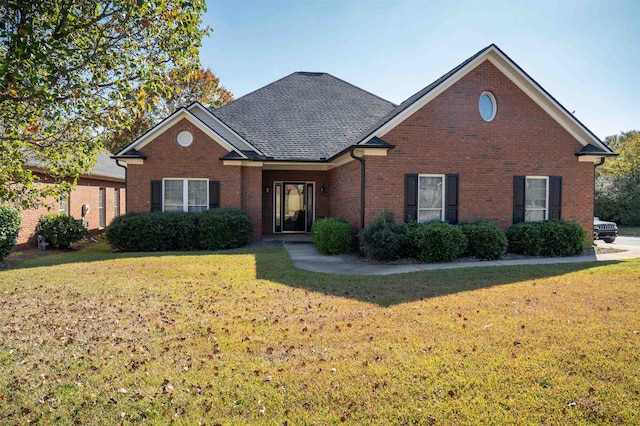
(448, 136)
(344, 184)
(167, 159)
(252, 197)
(85, 192)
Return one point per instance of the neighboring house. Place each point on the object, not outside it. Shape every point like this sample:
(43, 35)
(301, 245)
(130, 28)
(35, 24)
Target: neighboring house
(102, 191)
(483, 142)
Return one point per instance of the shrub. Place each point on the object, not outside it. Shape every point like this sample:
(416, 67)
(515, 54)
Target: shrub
(9, 228)
(546, 238)
(562, 238)
(61, 230)
(383, 240)
(484, 240)
(332, 236)
(141, 232)
(437, 242)
(224, 228)
(525, 238)
(409, 249)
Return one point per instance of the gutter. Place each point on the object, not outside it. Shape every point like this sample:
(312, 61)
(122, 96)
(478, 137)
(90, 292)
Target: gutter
(362, 185)
(126, 192)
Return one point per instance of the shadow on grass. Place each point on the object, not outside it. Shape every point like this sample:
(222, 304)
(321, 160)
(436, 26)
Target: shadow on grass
(388, 290)
(274, 264)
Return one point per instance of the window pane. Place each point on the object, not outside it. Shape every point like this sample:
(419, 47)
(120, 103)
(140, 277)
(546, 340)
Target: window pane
(536, 194)
(173, 194)
(428, 215)
(197, 209)
(197, 193)
(533, 215)
(430, 192)
(172, 208)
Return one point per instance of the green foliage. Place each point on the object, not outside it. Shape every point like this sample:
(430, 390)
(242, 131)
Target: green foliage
(203, 87)
(617, 193)
(224, 228)
(384, 239)
(61, 230)
(547, 238)
(9, 228)
(332, 236)
(484, 240)
(73, 72)
(165, 231)
(617, 198)
(437, 241)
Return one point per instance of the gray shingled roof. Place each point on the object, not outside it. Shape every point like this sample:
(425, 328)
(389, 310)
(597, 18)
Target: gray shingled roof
(304, 116)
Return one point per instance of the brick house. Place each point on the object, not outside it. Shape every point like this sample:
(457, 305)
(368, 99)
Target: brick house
(103, 191)
(483, 142)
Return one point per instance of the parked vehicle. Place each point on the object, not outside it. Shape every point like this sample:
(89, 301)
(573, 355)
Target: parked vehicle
(603, 230)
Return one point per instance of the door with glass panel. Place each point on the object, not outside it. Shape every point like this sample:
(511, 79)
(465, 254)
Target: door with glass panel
(293, 206)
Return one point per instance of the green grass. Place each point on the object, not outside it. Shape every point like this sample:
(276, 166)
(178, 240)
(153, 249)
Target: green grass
(92, 337)
(629, 231)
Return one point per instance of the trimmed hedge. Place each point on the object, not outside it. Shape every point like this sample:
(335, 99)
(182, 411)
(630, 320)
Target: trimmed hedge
(485, 241)
(9, 229)
(332, 236)
(383, 240)
(437, 241)
(169, 231)
(224, 228)
(61, 230)
(553, 238)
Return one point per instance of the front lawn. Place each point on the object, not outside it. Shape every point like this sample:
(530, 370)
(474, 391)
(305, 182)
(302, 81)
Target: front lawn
(240, 337)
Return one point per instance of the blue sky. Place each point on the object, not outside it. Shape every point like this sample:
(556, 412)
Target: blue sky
(585, 53)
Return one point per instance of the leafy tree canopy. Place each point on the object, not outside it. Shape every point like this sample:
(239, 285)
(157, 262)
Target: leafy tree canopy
(73, 70)
(202, 86)
(627, 163)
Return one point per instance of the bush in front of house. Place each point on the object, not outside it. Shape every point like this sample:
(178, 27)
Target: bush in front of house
(224, 228)
(61, 230)
(332, 236)
(383, 240)
(141, 232)
(437, 242)
(546, 238)
(9, 228)
(562, 238)
(525, 238)
(485, 241)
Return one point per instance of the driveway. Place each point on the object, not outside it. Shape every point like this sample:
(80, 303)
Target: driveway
(626, 241)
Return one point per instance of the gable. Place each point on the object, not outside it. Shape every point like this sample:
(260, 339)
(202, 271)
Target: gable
(509, 69)
(168, 123)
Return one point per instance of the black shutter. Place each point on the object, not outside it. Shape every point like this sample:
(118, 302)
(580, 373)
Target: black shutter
(156, 195)
(555, 197)
(451, 199)
(214, 194)
(518, 198)
(410, 197)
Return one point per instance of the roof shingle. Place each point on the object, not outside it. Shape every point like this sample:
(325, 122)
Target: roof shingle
(304, 116)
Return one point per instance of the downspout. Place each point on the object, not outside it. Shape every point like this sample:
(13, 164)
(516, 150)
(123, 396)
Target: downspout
(362, 189)
(126, 192)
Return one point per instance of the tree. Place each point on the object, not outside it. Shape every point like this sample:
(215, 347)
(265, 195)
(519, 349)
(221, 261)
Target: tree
(203, 87)
(71, 71)
(617, 195)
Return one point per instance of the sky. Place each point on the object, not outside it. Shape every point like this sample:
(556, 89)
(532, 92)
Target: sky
(586, 53)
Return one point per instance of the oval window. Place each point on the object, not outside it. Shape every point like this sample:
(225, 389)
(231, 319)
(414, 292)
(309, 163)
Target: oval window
(487, 105)
(185, 138)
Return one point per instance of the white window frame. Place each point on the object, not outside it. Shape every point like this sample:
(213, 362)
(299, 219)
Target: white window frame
(546, 196)
(102, 207)
(442, 177)
(185, 192)
(63, 203)
(494, 106)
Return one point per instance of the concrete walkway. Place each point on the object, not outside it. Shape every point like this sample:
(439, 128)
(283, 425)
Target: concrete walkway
(305, 256)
